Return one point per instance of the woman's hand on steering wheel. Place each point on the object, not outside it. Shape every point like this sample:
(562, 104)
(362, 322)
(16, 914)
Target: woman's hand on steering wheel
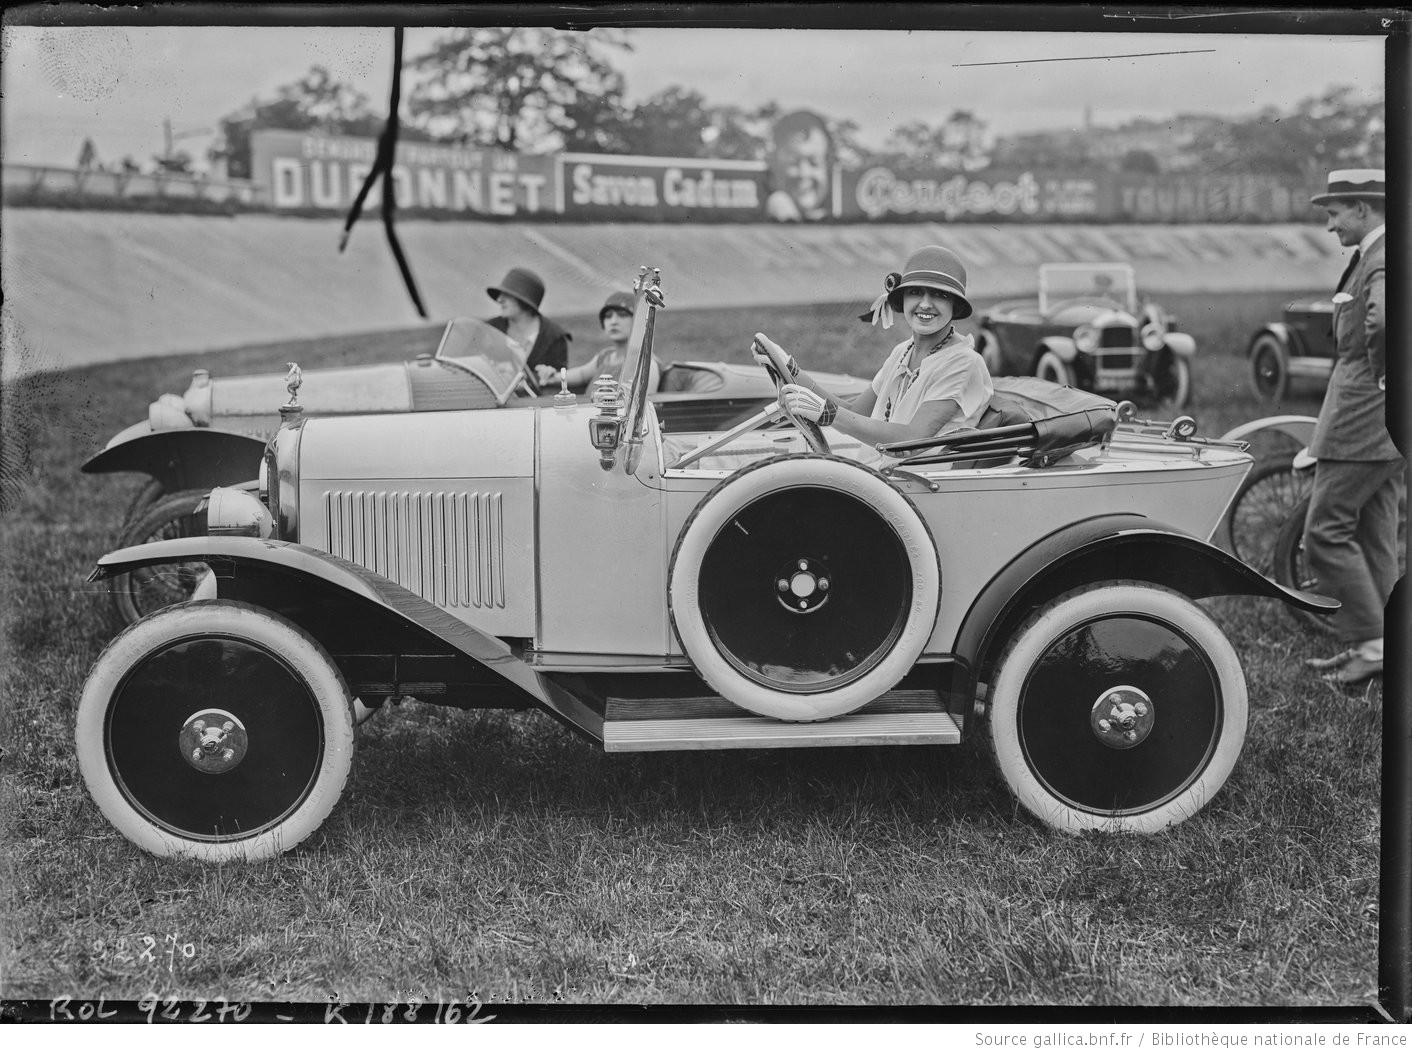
(783, 369)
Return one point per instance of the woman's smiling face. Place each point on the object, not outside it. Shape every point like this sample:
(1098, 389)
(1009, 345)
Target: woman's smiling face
(927, 311)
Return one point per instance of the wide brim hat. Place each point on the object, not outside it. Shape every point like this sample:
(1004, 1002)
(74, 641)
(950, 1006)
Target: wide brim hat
(1358, 184)
(617, 302)
(522, 284)
(934, 267)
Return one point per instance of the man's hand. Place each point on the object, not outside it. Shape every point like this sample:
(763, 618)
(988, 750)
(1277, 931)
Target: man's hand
(761, 348)
(802, 403)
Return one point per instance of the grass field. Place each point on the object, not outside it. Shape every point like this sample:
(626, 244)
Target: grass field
(495, 855)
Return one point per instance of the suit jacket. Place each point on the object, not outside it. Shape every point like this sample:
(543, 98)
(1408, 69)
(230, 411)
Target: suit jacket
(1352, 422)
(551, 347)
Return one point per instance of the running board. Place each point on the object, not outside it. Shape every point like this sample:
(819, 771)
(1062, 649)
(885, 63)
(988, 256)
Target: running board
(752, 732)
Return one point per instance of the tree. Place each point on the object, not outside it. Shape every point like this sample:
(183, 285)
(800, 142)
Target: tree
(523, 88)
(314, 102)
(957, 143)
(1320, 133)
(1142, 161)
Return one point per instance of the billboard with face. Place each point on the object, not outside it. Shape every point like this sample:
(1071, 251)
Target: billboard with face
(802, 177)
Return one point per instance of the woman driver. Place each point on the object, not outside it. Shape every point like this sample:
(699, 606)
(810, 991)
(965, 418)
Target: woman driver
(931, 383)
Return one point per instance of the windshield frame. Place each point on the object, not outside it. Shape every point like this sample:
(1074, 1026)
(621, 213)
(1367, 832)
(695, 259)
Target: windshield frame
(497, 360)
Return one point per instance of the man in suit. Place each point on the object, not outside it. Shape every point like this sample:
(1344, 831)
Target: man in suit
(1350, 537)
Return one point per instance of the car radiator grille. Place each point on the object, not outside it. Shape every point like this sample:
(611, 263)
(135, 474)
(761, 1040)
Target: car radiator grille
(447, 548)
(1117, 337)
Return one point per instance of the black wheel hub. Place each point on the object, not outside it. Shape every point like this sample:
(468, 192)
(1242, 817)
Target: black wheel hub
(1088, 714)
(213, 782)
(813, 552)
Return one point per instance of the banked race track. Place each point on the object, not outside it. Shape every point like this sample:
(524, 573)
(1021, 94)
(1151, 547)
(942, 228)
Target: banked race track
(83, 287)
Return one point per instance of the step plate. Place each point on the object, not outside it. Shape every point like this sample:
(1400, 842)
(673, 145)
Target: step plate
(753, 733)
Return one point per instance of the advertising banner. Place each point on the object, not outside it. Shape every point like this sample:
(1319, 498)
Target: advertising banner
(1210, 199)
(607, 186)
(307, 170)
(878, 193)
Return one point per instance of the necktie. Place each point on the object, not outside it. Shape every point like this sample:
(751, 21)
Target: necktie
(1349, 269)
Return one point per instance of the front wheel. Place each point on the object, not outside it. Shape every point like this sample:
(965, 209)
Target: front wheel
(1119, 707)
(1269, 368)
(1171, 380)
(1051, 367)
(215, 731)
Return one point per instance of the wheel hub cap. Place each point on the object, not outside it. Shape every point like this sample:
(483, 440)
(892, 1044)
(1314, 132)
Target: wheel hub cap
(213, 741)
(802, 586)
(1122, 717)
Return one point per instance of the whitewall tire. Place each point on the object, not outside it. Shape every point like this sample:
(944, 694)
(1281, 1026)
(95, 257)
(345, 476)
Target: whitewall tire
(1117, 707)
(215, 731)
(804, 587)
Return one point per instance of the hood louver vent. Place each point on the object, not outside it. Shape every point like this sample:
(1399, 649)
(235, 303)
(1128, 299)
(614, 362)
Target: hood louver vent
(447, 548)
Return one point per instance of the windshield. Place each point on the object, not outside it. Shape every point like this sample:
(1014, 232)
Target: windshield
(482, 349)
(1087, 281)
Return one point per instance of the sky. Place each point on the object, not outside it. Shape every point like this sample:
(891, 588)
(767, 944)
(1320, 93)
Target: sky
(117, 84)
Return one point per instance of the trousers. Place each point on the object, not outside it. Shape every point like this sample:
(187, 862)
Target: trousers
(1351, 540)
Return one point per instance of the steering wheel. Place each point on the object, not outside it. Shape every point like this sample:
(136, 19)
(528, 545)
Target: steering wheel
(779, 371)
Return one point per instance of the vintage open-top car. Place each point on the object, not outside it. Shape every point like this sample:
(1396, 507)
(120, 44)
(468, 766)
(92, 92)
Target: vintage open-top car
(1300, 347)
(1035, 580)
(1088, 330)
(214, 433)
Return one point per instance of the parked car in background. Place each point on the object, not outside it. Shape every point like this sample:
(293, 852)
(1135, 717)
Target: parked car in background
(1087, 329)
(1299, 347)
(215, 432)
(742, 588)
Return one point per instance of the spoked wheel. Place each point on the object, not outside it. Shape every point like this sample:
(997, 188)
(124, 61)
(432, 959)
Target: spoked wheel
(1265, 501)
(1117, 707)
(215, 731)
(149, 589)
(804, 587)
(142, 499)
(1289, 568)
(1269, 368)
(1051, 367)
(1171, 380)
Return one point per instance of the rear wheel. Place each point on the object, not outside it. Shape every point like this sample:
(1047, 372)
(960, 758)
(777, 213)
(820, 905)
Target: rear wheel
(148, 589)
(804, 587)
(1051, 367)
(1265, 501)
(1269, 368)
(1117, 707)
(145, 496)
(215, 731)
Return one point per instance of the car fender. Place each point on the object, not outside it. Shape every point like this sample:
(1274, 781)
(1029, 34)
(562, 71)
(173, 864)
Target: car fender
(1298, 427)
(1281, 332)
(363, 593)
(181, 459)
(1107, 548)
(1183, 344)
(1064, 347)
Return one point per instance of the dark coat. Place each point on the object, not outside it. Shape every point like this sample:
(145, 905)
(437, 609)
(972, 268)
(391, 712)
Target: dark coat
(551, 347)
(1352, 422)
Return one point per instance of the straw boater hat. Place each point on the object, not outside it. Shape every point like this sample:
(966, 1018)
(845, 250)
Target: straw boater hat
(1361, 184)
(931, 266)
(522, 284)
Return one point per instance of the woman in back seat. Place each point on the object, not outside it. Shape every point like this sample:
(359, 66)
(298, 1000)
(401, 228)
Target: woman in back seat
(933, 382)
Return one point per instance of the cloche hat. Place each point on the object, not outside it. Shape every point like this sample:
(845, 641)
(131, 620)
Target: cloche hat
(522, 284)
(1367, 184)
(933, 267)
(616, 302)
